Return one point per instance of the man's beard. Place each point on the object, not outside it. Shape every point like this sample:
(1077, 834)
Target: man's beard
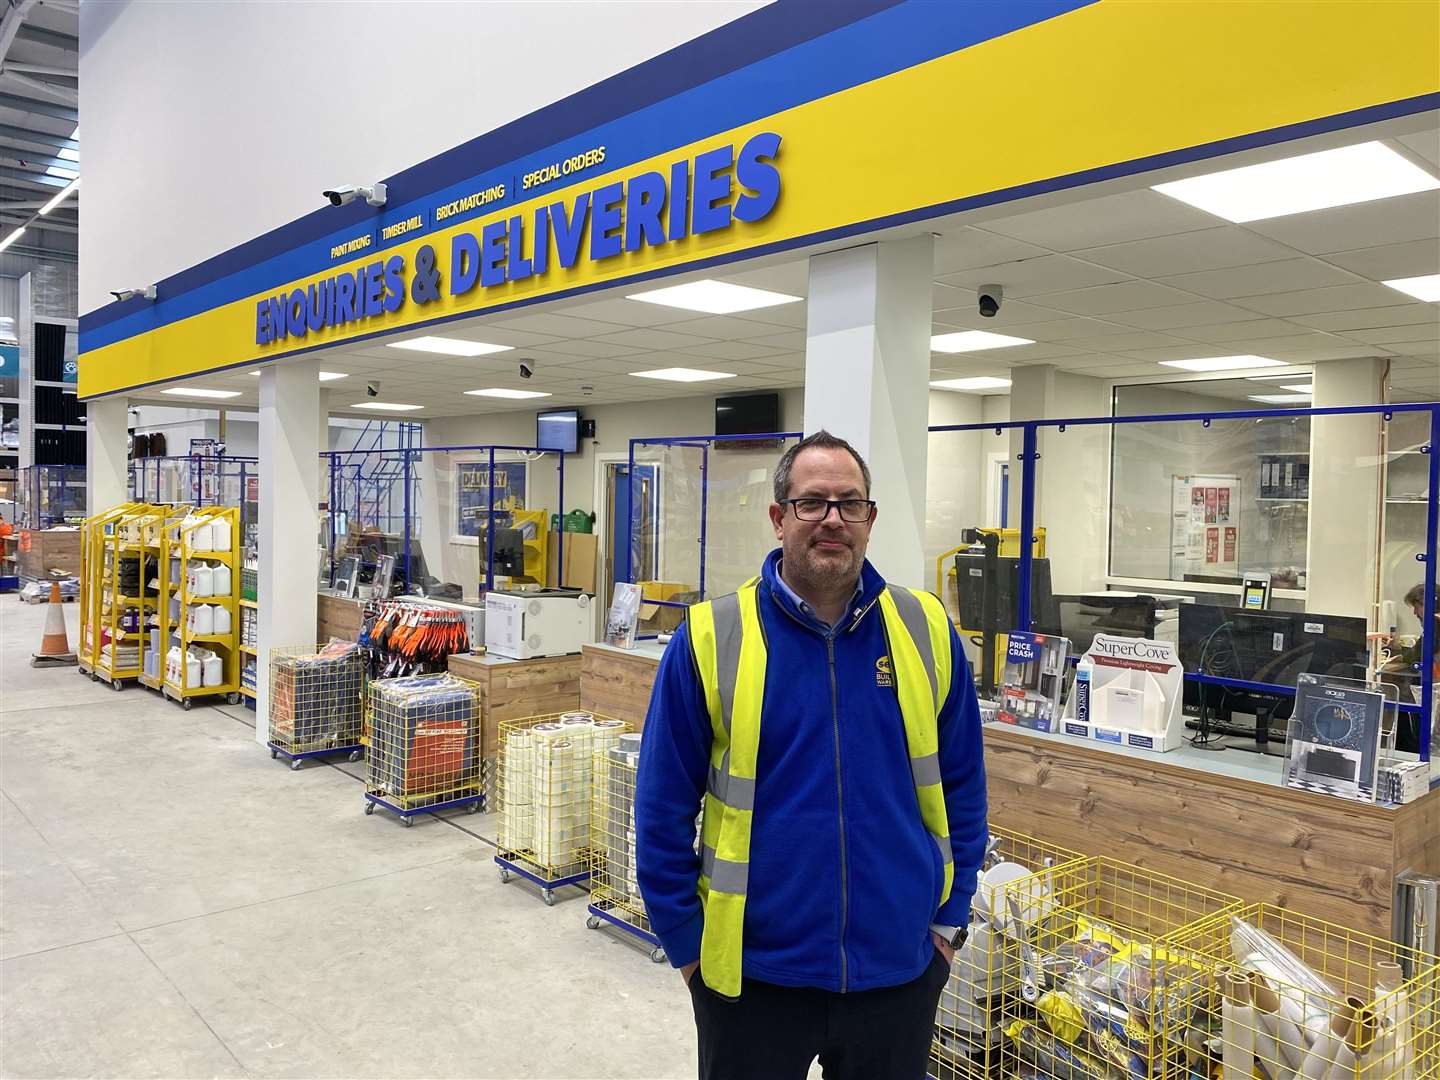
(806, 565)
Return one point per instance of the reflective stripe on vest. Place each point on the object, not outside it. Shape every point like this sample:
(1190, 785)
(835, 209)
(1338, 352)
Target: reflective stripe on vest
(728, 644)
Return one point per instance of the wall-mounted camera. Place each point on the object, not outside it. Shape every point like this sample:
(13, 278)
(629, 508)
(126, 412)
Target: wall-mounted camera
(991, 297)
(149, 292)
(348, 193)
(372, 388)
(527, 369)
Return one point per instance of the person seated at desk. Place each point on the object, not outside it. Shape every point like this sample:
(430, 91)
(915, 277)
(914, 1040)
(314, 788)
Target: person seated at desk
(1404, 653)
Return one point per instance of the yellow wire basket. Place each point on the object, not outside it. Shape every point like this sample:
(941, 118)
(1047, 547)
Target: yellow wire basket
(968, 1021)
(317, 701)
(1289, 995)
(424, 752)
(545, 780)
(614, 888)
(1101, 993)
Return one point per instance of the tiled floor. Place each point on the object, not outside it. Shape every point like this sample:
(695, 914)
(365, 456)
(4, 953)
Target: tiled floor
(175, 904)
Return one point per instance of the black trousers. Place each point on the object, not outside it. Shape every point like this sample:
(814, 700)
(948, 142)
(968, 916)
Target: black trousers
(775, 1032)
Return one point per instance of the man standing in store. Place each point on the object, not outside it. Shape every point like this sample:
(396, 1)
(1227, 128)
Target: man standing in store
(828, 724)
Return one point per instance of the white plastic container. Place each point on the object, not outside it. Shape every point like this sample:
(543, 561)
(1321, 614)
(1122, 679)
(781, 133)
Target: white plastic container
(197, 534)
(221, 617)
(220, 579)
(173, 665)
(194, 670)
(202, 579)
(202, 619)
(219, 534)
(212, 669)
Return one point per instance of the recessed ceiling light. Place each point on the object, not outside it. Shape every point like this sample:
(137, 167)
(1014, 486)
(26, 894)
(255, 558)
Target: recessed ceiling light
(683, 374)
(1339, 177)
(449, 346)
(979, 382)
(500, 391)
(1426, 287)
(714, 297)
(200, 392)
(1281, 399)
(1222, 363)
(1299, 388)
(325, 376)
(386, 406)
(974, 341)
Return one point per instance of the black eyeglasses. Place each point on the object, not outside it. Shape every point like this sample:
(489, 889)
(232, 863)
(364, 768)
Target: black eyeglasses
(851, 510)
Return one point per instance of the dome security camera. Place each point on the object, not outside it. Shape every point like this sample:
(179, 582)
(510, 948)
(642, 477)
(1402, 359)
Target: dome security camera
(991, 297)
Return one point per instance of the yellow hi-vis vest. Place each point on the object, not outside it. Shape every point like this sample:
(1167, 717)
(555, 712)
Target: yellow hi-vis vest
(729, 649)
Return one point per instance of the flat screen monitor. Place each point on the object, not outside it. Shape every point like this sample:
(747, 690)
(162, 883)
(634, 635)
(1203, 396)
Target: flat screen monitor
(558, 429)
(1264, 646)
(972, 584)
(747, 414)
(1128, 615)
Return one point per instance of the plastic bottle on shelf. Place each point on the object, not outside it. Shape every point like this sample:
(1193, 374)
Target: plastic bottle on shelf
(202, 619)
(212, 669)
(1083, 671)
(194, 670)
(202, 579)
(220, 616)
(220, 580)
(197, 533)
(219, 534)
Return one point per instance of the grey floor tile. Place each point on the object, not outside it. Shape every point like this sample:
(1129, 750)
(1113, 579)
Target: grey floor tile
(102, 1009)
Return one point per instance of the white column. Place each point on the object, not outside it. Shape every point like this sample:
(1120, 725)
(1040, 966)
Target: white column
(1344, 490)
(289, 517)
(1032, 397)
(867, 380)
(107, 480)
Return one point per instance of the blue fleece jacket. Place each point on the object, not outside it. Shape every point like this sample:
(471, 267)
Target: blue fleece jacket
(844, 879)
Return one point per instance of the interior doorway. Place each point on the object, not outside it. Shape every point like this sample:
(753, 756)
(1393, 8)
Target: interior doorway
(628, 527)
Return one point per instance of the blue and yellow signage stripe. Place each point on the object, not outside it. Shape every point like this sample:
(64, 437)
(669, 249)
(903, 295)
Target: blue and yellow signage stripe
(1102, 89)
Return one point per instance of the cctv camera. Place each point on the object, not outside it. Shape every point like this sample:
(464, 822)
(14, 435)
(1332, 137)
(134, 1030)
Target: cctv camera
(148, 292)
(527, 368)
(347, 193)
(372, 388)
(991, 297)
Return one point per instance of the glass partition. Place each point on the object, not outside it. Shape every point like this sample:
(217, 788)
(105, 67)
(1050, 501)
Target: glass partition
(49, 495)
(1262, 544)
(699, 524)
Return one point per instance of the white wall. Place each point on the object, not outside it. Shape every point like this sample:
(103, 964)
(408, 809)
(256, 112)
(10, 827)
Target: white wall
(207, 124)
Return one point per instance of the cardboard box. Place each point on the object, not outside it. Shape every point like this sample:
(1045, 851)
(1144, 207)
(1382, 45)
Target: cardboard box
(653, 617)
(580, 571)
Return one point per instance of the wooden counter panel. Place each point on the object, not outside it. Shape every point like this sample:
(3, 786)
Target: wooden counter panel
(1259, 843)
(516, 689)
(338, 617)
(1417, 837)
(617, 685)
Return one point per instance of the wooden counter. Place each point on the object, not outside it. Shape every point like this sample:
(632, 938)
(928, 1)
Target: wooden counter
(616, 682)
(514, 689)
(41, 551)
(337, 617)
(1232, 827)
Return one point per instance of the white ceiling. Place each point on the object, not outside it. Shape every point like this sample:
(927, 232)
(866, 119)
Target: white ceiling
(1106, 286)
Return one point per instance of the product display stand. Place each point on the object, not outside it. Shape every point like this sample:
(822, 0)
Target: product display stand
(161, 540)
(614, 891)
(545, 779)
(115, 596)
(200, 661)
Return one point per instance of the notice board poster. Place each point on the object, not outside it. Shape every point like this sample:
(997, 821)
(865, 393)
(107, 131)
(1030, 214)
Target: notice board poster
(1205, 526)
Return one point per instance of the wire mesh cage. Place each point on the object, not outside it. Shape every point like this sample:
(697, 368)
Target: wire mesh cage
(614, 889)
(317, 700)
(424, 745)
(969, 1020)
(545, 778)
(1298, 996)
(1102, 994)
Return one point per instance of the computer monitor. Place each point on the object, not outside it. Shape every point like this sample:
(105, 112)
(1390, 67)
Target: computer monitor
(972, 584)
(509, 552)
(1263, 646)
(1130, 615)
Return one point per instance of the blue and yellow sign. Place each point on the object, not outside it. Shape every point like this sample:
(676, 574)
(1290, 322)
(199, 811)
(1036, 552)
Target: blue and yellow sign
(873, 123)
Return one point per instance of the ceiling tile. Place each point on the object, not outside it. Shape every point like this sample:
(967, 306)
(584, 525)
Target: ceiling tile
(1124, 342)
(790, 339)
(791, 278)
(556, 325)
(1369, 224)
(586, 347)
(617, 309)
(1424, 143)
(1111, 219)
(1397, 337)
(1286, 275)
(966, 248)
(1034, 276)
(961, 311)
(1386, 261)
(1183, 315)
(1371, 318)
(653, 339)
(1313, 301)
(732, 350)
(1208, 249)
(1221, 332)
(1108, 299)
(725, 328)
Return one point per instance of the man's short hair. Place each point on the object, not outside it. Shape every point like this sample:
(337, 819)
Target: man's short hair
(1416, 595)
(821, 440)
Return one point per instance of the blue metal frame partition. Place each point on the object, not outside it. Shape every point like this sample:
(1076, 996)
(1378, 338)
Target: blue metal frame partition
(340, 460)
(704, 443)
(142, 472)
(1029, 455)
(47, 486)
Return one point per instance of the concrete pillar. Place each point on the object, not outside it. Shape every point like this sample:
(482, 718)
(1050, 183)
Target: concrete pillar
(289, 517)
(1344, 530)
(867, 377)
(107, 456)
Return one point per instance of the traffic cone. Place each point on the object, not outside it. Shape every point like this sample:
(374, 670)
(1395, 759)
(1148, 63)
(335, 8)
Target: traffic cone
(55, 645)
